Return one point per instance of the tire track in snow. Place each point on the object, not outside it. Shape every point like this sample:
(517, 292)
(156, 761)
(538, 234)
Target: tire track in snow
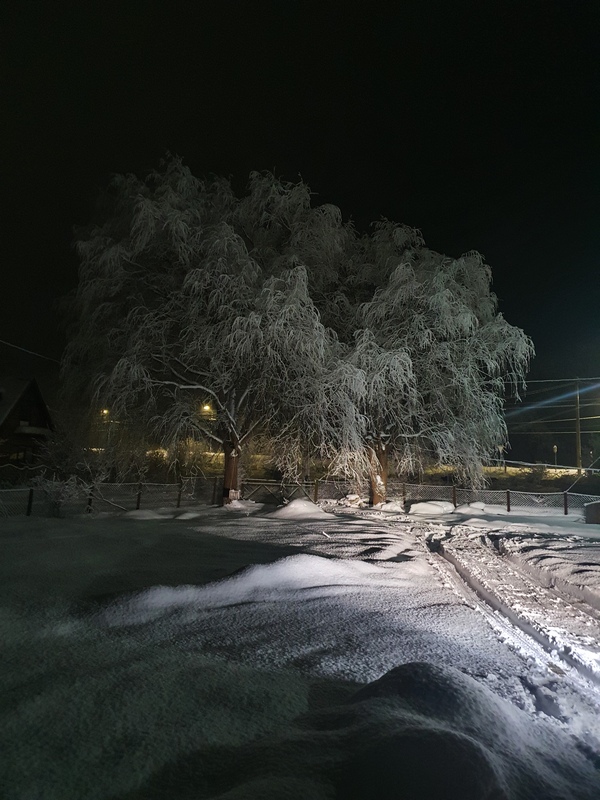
(527, 606)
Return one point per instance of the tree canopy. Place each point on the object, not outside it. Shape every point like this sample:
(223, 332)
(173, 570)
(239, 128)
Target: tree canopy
(281, 319)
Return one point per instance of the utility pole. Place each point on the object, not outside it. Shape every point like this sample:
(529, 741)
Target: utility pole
(578, 430)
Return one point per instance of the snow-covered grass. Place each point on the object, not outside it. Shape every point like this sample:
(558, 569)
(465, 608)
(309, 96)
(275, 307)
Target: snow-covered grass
(251, 653)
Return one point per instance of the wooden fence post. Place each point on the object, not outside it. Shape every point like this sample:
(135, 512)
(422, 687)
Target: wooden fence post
(29, 503)
(566, 502)
(316, 491)
(454, 503)
(179, 493)
(138, 500)
(508, 499)
(90, 500)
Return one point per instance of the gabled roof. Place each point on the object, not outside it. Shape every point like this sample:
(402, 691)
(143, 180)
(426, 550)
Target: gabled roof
(11, 391)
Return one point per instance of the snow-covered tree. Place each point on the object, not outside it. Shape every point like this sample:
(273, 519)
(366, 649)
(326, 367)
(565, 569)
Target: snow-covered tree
(203, 315)
(436, 357)
(193, 308)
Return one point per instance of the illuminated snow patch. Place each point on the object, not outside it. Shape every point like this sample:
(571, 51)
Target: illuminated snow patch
(299, 576)
(300, 508)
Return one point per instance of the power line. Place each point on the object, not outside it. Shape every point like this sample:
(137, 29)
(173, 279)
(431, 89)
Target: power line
(562, 380)
(31, 352)
(535, 404)
(549, 421)
(546, 433)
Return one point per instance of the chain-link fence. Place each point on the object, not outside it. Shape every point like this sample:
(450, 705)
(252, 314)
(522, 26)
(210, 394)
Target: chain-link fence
(414, 492)
(277, 492)
(14, 502)
(60, 499)
(577, 502)
(508, 499)
(336, 490)
(552, 500)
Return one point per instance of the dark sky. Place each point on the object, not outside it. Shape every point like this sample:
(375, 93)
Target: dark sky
(477, 122)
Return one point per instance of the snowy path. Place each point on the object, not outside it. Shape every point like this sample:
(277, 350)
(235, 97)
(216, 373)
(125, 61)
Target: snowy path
(569, 565)
(559, 689)
(555, 630)
(565, 624)
(558, 640)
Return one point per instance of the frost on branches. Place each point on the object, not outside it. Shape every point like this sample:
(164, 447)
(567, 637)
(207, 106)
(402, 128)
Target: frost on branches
(437, 357)
(285, 323)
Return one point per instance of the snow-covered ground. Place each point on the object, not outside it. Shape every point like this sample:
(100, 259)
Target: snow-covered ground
(251, 653)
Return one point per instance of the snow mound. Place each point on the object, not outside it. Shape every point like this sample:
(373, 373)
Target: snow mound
(421, 732)
(483, 746)
(312, 576)
(353, 501)
(301, 508)
(394, 506)
(246, 506)
(432, 507)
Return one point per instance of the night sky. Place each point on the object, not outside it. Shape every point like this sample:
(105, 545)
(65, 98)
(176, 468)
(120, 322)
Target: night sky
(477, 122)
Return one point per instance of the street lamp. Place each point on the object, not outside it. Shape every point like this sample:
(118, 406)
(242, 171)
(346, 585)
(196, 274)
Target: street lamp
(555, 451)
(501, 456)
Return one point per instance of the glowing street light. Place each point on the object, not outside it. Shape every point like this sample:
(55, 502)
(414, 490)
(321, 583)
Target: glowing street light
(555, 451)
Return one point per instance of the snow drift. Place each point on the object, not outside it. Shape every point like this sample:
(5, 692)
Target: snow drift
(421, 732)
(299, 577)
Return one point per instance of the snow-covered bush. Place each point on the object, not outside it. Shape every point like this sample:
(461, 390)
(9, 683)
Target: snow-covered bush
(58, 491)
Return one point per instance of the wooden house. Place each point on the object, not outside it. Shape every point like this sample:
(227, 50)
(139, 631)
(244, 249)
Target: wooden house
(24, 420)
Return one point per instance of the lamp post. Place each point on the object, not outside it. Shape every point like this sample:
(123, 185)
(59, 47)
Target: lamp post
(555, 451)
(578, 430)
(501, 456)
(105, 413)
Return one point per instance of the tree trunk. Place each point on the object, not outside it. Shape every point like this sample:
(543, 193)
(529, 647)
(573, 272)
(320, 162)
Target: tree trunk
(230, 471)
(379, 473)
